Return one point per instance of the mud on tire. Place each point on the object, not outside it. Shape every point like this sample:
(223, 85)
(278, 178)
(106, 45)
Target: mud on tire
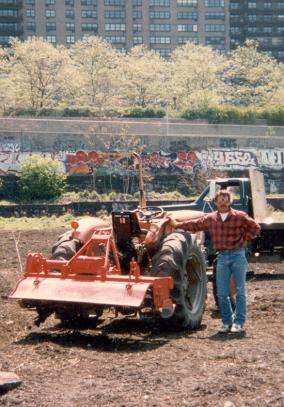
(181, 258)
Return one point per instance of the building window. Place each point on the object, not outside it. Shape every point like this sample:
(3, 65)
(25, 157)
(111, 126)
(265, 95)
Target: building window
(251, 4)
(280, 54)
(137, 27)
(214, 27)
(252, 30)
(69, 13)
(8, 13)
(184, 40)
(160, 27)
(234, 6)
(280, 5)
(50, 26)
(136, 14)
(267, 18)
(30, 2)
(163, 15)
(215, 16)
(252, 17)
(88, 2)
(69, 2)
(267, 5)
(235, 18)
(31, 26)
(4, 39)
(137, 2)
(215, 41)
(160, 40)
(116, 39)
(49, 2)
(190, 3)
(30, 12)
(114, 27)
(89, 27)
(160, 3)
(114, 2)
(70, 27)
(11, 27)
(280, 30)
(187, 15)
(268, 30)
(115, 14)
(164, 52)
(235, 30)
(214, 3)
(187, 27)
(137, 40)
(88, 14)
(70, 39)
(51, 38)
(50, 13)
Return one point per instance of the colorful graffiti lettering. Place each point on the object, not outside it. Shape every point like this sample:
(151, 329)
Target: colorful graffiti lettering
(118, 163)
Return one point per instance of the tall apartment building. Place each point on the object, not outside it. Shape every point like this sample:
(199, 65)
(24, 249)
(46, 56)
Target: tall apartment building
(11, 19)
(260, 20)
(162, 25)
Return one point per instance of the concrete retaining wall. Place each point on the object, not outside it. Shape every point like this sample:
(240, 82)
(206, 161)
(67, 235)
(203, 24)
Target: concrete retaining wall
(91, 208)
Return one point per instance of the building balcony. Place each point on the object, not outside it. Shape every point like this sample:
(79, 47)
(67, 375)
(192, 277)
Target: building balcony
(12, 4)
(11, 32)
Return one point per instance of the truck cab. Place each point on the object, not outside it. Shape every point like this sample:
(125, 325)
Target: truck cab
(240, 191)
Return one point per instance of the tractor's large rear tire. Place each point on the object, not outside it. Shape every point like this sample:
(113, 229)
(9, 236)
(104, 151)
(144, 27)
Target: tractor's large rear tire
(182, 259)
(65, 247)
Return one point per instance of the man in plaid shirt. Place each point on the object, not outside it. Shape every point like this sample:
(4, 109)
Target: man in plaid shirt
(230, 230)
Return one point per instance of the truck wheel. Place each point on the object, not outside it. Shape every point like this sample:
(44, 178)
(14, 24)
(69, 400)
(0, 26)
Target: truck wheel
(65, 247)
(182, 259)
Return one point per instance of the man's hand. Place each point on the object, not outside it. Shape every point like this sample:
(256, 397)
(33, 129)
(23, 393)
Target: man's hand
(174, 224)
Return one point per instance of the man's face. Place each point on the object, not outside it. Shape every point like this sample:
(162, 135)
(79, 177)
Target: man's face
(223, 203)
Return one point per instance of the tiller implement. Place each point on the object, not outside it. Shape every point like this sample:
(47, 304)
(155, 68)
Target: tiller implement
(138, 264)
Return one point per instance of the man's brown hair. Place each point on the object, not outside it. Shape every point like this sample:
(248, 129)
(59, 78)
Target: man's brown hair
(223, 192)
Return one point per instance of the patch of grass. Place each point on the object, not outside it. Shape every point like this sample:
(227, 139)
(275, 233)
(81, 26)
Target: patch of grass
(44, 222)
(278, 216)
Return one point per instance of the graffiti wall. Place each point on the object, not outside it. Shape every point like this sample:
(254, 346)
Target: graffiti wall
(85, 162)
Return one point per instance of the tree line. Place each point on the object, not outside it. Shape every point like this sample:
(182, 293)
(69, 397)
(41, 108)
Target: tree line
(36, 76)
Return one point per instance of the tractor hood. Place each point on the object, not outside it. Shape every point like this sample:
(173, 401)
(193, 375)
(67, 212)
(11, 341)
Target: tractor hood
(185, 215)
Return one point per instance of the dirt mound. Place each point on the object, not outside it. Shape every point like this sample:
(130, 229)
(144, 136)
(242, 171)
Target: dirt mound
(132, 362)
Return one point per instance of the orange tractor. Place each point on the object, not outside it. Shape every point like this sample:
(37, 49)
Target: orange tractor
(139, 264)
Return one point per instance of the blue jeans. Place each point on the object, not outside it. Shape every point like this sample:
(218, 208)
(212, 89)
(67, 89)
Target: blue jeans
(232, 262)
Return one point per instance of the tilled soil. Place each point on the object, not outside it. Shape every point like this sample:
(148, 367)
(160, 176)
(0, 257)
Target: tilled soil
(132, 362)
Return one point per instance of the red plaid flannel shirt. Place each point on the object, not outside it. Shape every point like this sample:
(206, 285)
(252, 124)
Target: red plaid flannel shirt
(231, 234)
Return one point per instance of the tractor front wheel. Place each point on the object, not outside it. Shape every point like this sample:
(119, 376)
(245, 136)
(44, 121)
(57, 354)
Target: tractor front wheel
(65, 247)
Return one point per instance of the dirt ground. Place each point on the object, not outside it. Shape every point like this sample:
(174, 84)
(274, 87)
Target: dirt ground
(129, 362)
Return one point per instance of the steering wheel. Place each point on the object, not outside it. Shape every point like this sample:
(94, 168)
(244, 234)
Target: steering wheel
(151, 212)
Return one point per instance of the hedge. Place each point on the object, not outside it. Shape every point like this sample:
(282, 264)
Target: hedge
(274, 116)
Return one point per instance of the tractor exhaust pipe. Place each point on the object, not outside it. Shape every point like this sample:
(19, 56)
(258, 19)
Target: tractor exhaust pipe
(142, 199)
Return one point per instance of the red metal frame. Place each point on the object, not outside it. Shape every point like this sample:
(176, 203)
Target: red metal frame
(91, 278)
